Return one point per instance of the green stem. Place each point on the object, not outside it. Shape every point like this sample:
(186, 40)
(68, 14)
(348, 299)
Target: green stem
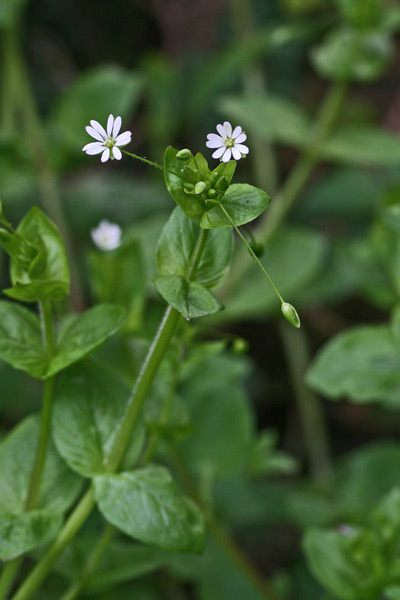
(294, 184)
(145, 379)
(142, 159)
(312, 419)
(93, 560)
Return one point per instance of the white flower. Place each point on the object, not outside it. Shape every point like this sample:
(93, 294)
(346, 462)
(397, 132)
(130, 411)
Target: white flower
(106, 236)
(228, 142)
(107, 141)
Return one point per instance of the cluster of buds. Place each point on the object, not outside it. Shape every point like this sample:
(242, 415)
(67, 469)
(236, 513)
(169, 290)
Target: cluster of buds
(211, 188)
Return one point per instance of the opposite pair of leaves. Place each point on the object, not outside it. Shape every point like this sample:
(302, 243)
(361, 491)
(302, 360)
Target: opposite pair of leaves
(47, 276)
(143, 503)
(242, 202)
(21, 342)
(21, 530)
(191, 296)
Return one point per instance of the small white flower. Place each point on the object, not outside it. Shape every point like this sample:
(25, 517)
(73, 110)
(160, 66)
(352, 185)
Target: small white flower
(228, 142)
(106, 236)
(107, 141)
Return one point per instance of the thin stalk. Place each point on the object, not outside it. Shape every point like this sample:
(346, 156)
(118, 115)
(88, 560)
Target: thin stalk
(294, 184)
(143, 160)
(145, 379)
(93, 560)
(227, 543)
(316, 438)
(35, 136)
(8, 575)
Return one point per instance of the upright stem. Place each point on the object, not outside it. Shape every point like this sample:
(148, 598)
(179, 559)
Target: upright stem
(145, 379)
(311, 416)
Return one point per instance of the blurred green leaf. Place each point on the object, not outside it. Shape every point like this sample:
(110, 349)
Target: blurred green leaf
(21, 530)
(89, 409)
(190, 298)
(95, 93)
(363, 145)
(163, 517)
(361, 13)
(10, 11)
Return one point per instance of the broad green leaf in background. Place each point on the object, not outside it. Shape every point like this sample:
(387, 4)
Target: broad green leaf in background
(190, 298)
(22, 531)
(242, 202)
(347, 54)
(360, 13)
(48, 275)
(95, 94)
(147, 505)
(362, 145)
(84, 333)
(10, 11)
(274, 118)
(176, 246)
(89, 408)
(21, 342)
(392, 593)
(362, 363)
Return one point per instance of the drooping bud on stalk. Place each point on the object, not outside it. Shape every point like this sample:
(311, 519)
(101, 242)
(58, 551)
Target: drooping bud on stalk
(290, 314)
(184, 154)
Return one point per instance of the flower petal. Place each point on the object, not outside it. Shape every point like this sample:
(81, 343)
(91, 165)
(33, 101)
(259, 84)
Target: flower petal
(242, 148)
(94, 133)
(218, 153)
(227, 156)
(106, 155)
(217, 143)
(117, 127)
(96, 125)
(110, 123)
(237, 131)
(117, 153)
(123, 138)
(241, 138)
(93, 148)
(236, 154)
(221, 131)
(228, 129)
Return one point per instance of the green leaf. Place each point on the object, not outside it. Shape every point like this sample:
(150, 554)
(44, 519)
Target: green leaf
(147, 505)
(21, 339)
(392, 593)
(48, 276)
(21, 531)
(274, 118)
(362, 363)
(242, 202)
(362, 145)
(190, 298)
(90, 405)
(177, 244)
(193, 206)
(329, 557)
(10, 11)
(84, 333)
(350, 55)
(91, 97)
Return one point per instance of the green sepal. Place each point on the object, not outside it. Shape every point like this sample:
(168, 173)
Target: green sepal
(161, 515)
(47, 276)
(190, 298)
(242, 202)
(191, 205)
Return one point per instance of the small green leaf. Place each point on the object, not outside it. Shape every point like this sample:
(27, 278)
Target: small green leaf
(84, 333)
(191, 205)
(48, 276)
(177, 243)
(21, 531)
(190, 298)
(89, 408)
(147, 505)
(242, 202)
(21, 339)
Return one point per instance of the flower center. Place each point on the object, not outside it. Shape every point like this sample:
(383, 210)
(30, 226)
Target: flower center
(229, 142)
(110, 143)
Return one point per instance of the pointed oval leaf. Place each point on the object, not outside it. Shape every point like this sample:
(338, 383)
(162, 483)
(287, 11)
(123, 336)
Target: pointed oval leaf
(190, 298)
(242, 202)
(90, 405)
(147, 505)
(177, 243)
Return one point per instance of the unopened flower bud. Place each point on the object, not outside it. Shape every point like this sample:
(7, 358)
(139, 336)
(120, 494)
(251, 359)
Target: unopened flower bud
(184, 154)
(257, 248)
(212, 194)
(290, 314)
(240, 346)
(200, 188)
(222, 184)
(189, 187)
(214, 177)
